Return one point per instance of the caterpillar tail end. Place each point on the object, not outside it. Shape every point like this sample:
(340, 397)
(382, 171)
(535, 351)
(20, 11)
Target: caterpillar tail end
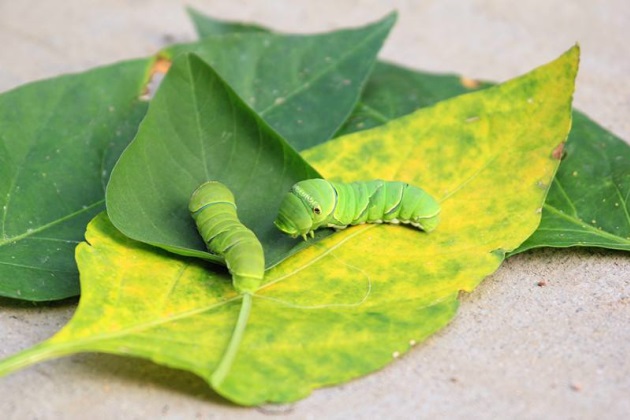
(428, 224)
(244, 284)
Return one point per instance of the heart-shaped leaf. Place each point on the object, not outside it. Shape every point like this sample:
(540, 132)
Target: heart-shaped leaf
(59, 140)
(356, 300)
(197, 129)
(304, 86)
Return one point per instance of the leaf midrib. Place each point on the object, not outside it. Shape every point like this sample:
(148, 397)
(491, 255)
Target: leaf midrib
(79, 342)
(623, 202)
(43, 124)
(137, 328)
(316, 77)
(51, 224)
(32, 267)
(374, 113)
(584, 226)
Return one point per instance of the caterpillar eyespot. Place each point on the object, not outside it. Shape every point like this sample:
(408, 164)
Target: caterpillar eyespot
(315, 203)
(213, 208)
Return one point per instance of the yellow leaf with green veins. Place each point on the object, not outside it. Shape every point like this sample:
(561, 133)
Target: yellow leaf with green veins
(356, 300)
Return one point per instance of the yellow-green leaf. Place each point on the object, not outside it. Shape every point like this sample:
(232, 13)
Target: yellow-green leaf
(356, 300)
(306, 330)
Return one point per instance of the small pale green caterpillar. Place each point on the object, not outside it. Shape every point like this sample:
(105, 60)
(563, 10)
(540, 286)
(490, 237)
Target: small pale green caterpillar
(315, 203)
(214, 210)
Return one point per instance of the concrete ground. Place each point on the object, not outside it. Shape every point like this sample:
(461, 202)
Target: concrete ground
(515, 350)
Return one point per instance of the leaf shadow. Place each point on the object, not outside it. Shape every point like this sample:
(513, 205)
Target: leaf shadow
(547, 253)
(137, 372)
(18, 304)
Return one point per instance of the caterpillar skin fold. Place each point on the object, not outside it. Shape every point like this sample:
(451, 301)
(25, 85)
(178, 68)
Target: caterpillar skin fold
(315, 203)
(213, 208)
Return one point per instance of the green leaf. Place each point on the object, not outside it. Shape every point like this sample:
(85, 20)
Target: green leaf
(59, 139)
(207, 26)
(393, 91)
(197, 129)
(143, 302)
(589, 201)
(304, 86)
(42, 122)
(354, 301)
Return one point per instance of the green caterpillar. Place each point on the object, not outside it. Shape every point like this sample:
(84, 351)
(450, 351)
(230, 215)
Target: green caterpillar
(315, 203)
(214, 210)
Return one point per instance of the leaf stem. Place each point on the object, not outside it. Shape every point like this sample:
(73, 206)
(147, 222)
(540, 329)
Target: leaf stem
(39, 353)
(235, 341)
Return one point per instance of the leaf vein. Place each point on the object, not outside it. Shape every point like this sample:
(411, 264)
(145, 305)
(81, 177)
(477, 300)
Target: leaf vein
(624, 203)
(566, 196)
(469, 179)
(32, 267)
(374, 113)
(51, 224)
(359, 230)
(301, 88)
(581, 223)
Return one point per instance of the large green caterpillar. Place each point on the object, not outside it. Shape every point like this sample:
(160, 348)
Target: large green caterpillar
(315, 203)
(214, 210)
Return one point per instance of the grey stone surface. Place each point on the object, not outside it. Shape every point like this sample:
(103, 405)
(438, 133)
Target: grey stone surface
(515, 350)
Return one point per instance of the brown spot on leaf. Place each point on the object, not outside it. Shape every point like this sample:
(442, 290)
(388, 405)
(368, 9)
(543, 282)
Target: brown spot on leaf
(558, 152)
(161, 65)
(469, 83)
(541, 283)
(156, 73)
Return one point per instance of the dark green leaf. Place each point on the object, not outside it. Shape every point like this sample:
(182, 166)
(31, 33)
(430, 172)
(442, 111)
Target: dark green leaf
(304, 86)
(589, 200)
(207, 26)
(393, 91)
(59, 139)
(198, 129)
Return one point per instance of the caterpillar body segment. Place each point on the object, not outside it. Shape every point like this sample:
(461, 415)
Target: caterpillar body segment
(213, 208)
(315, 203)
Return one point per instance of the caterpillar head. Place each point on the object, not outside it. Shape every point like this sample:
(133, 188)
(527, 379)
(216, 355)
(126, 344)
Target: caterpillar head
(306, 207)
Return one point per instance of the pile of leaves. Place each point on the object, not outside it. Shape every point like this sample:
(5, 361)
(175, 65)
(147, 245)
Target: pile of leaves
(259, 111)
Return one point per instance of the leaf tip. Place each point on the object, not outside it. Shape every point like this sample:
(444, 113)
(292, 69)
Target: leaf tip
(387, 21)
(391, 16)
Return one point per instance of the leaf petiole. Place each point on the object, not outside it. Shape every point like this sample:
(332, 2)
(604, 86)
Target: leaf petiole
(235, 341)
(39, 353)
